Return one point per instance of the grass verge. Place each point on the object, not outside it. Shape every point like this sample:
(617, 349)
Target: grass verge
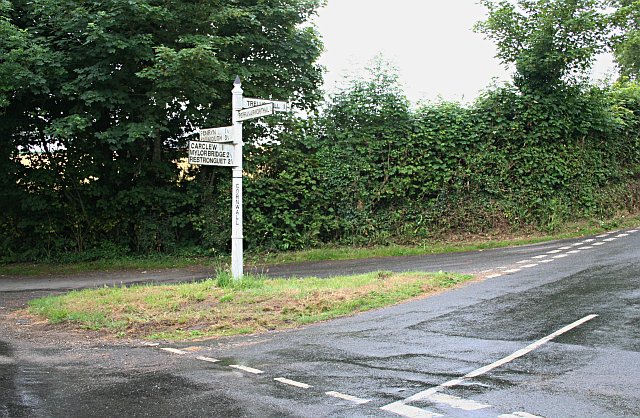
(221, 307)
(453, 243)
(107, 264)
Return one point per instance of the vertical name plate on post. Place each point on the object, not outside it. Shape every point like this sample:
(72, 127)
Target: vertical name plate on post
(223, 147)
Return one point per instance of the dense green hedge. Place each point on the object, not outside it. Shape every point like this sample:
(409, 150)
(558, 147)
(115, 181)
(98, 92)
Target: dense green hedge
(371, 170)
(368, 169)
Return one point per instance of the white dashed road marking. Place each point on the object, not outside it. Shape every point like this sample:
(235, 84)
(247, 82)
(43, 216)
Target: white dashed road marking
(573, 251)
(622, 235)
(519, 415)
(493, 276)
(560, 256)
(598, 243)
(546, 261)
(349, 398)
(174, 350)
(609, 239)
(246, 369)
(409, 411)
(553, 252)
(292, 383)
(456, 402)
(523, 261)
(528, 266)
(588, 247)
(209, 359)
(540, 256)
(512, 270)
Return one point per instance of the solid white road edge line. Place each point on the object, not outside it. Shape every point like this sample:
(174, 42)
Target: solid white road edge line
(349, 398)
(246, 369)
(482, 370)
(292, 382)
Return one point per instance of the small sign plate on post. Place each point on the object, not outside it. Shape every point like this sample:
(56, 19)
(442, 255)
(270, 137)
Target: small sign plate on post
(211, 153)
(222, 134)
(278, 106)
(255, 112)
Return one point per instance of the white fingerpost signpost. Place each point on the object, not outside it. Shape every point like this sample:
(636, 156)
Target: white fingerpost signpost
(223, 147)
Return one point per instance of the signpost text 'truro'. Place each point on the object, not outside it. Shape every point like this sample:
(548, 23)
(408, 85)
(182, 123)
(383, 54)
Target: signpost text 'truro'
(223, 147)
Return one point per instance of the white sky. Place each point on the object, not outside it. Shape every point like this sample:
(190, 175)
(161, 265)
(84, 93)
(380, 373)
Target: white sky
(430, 41)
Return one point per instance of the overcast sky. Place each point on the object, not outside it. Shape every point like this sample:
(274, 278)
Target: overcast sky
(430, 41)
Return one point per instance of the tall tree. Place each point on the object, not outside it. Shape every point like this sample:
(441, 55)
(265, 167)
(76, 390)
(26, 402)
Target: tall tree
(104, 95)
(626, 43)
(550, 42)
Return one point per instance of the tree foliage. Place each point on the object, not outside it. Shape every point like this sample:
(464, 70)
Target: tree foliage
(550, 42)
(626, 42)
(98, 99)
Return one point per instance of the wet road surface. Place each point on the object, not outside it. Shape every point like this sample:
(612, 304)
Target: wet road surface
(495, 348)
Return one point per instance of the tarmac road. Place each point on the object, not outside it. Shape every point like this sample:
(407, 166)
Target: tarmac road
(553, 331)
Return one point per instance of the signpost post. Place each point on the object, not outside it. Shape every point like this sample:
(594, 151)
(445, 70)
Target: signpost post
(223, 147)
(236, 187)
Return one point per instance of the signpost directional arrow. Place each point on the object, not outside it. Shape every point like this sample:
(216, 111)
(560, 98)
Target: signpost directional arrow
(223, 134)
(278, 106)
(255, 112)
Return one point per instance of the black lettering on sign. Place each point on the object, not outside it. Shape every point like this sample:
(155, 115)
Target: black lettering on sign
(238, 204)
